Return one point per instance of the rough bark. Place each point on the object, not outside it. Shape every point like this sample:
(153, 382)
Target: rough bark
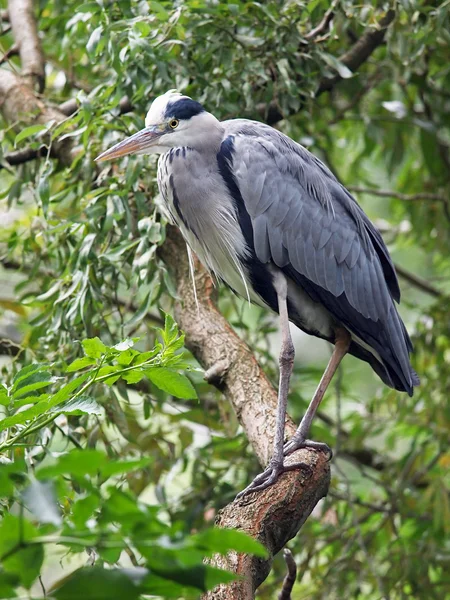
(23, 25)
(19, 104)
(275, 515)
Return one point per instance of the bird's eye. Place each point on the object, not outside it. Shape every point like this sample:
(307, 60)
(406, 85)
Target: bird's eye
(173, 123)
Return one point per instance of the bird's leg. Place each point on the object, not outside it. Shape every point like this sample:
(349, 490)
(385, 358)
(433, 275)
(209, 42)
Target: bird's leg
(299, 440)
(286, 362)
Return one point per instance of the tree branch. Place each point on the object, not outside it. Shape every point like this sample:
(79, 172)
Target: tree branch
(418, 282)
(23, 24)
(360, 51)
(392, 194)
(275, 515)
(323, 25)
(19, 104)
(356, 56)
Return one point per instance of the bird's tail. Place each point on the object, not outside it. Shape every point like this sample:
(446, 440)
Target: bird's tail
(391, 358)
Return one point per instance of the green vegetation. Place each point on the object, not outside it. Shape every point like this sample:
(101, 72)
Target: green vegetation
(115, 453)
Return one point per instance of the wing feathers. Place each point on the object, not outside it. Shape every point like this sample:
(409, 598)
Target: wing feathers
(313, 229)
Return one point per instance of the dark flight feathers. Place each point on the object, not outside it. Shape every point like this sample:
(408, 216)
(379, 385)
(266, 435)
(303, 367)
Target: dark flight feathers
(309, 225)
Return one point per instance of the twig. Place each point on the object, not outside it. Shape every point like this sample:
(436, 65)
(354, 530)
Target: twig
(360, 51)
(393, 194)
(352, 59)
(12, 51)
(323, 25)
(23, 23)
(418, 282)
(291, 576)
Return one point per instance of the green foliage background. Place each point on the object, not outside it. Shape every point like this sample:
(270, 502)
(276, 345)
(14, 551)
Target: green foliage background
(132, 473)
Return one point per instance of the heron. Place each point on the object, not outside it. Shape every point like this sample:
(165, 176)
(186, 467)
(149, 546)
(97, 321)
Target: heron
(270, 220)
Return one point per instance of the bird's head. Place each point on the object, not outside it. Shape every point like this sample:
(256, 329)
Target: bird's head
(173, 120)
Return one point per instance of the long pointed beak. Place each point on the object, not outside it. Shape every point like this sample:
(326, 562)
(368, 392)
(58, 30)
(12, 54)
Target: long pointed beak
(135, 144)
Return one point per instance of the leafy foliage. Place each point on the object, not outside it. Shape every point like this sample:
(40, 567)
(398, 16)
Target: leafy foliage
(108, 459)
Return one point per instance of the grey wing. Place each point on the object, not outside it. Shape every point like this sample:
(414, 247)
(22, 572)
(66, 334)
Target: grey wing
(310, 227)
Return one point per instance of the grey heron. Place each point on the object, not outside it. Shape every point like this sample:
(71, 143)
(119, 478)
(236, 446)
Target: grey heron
(269, 219)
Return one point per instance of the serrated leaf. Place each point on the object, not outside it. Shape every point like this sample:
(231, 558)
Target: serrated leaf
(171, 382)
(78, 406)
(64, 393)
(33, 382)
(39, 497)
(94, 347)
(27, 371)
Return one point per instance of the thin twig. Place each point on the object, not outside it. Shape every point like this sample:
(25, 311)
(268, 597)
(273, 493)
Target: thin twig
(393, 194)
(12, 51)
(323, 25)
(418, 282)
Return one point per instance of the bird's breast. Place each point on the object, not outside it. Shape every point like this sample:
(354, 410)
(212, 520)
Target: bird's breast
(199, 203)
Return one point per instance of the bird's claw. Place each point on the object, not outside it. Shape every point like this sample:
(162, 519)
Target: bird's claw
(270, 475)
(295, 444)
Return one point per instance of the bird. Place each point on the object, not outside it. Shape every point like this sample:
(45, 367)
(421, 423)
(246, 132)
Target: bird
(270, 220)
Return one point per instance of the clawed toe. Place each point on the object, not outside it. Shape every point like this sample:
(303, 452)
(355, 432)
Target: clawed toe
(268, 477)
(293, 445)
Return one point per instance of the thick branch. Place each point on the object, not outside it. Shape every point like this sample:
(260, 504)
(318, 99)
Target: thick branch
(273, 516)
(19, 104)
(356, 56)
(23, 24)
(360, 51)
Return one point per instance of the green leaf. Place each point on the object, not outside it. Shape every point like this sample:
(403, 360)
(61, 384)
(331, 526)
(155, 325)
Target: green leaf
(77, 462)
(171, 382)
(4, 398)
(28, 371)
(39, 497)
(29, 131)
(94, 348)
(78, 406)
(22, 560)
(222, 540)
(9, 582)
(80, 363)
(68, 389)
(95, 583)
(89, 462)
(31, 383)
(337, 65)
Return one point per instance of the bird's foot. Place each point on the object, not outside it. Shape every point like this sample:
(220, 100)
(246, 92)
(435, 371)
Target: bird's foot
(270, 475)
(297, 442)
